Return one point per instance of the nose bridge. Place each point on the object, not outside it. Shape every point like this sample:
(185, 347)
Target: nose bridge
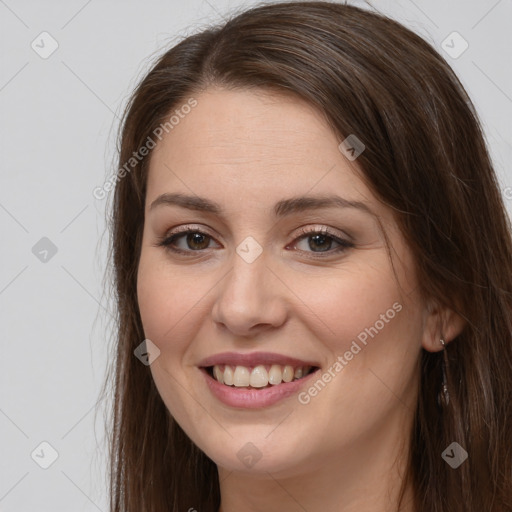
(248, 296)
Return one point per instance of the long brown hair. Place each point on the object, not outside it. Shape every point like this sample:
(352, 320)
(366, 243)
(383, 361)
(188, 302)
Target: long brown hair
(425, 158)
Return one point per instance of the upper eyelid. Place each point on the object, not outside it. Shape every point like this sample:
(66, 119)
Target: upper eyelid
(316, 228)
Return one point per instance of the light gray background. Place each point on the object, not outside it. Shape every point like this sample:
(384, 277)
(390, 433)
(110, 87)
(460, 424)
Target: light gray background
(59, 118)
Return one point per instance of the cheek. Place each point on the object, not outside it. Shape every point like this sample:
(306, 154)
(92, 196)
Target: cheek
(345, 305)
(372, 331)
(165, 301)
(166, 306)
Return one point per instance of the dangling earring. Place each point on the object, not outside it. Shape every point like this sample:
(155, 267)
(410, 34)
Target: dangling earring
(443, 397)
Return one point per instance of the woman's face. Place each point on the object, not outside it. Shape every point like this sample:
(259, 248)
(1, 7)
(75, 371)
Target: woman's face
(284, 270)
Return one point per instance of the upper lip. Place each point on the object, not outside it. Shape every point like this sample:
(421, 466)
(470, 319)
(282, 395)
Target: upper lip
(253, 359)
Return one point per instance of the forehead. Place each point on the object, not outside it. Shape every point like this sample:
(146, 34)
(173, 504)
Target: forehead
(248, 146)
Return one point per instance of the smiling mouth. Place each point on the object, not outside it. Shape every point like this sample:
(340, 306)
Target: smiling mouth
(258, 377)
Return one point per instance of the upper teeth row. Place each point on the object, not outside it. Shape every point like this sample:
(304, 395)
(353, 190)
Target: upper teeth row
(258, 377)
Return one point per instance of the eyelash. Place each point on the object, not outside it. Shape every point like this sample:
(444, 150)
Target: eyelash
(167, 241)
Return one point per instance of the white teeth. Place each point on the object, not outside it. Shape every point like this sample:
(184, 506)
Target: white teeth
(218, 374)
(228, 376)
(288, 373)
(259, 376)
(241, 376)
(275, 375)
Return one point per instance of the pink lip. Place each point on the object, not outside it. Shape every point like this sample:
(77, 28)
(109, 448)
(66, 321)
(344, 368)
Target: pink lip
(253, 359)
(254, 398)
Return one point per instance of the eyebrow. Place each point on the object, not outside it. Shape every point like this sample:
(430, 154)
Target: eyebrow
(281, 208)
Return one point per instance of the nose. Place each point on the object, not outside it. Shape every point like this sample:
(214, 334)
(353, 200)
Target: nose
(251, 298)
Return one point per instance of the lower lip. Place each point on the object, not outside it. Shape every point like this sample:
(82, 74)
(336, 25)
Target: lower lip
(254, 398)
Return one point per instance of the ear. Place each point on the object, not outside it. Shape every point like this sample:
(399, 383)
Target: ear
(440, 322)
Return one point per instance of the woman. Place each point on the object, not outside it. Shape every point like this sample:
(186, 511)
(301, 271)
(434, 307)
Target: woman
(313, 267)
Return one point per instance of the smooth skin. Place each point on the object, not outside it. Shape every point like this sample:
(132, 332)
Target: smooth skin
(343, 451)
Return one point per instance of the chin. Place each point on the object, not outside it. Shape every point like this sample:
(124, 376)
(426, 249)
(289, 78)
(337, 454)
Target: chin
(250, 452)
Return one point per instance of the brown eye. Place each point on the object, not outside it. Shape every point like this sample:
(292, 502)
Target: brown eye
(186, 241)
(321, 241)
(197, 241)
